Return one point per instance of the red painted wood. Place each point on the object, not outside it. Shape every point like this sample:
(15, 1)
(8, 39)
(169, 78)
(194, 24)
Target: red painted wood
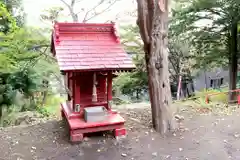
(79, 123)
(77, 90)
(81, 49)
(77, 49)
(73, 91)
(84, 24)
(97, 128)
(213, 94)
(76, 137)
(238, 98)
(109, 85)
(120, 132)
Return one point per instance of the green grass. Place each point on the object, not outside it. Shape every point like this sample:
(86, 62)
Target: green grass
(50, 109)
(218, 101)
(52, 106)
(219, 97)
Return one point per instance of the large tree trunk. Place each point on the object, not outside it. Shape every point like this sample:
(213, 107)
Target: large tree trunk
(233, 61)
(154, 30)
(1, 112)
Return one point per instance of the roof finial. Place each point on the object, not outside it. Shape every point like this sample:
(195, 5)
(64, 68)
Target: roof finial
(115, 31)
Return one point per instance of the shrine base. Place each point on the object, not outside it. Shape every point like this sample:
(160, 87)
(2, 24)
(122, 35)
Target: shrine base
(78, 127)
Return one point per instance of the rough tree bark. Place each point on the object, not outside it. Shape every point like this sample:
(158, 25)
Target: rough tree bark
(233, 60)
(1, 112)
(153, 25)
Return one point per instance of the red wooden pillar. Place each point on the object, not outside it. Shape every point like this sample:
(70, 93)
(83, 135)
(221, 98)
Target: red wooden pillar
(68, 75)
(73, 80)
(109, 87)
(76, 90)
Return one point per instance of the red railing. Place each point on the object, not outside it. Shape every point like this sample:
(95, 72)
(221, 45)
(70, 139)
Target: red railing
(207, 98)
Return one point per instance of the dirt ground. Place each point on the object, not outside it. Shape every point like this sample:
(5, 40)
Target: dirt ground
(201, 137)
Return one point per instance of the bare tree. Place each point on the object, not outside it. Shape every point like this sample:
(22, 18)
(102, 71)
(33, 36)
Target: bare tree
(51, 15)
(92, 12)
(153, 24)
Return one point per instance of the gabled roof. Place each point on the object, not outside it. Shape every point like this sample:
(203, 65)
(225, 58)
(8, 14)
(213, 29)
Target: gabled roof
(83, 46)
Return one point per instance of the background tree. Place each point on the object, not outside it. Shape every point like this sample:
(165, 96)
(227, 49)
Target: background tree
(51, 15)
(7, 22)
(99, 7)
(23, 63)
(181, 66)
(153, 25)
(136, 81)
(216, 41)
(15, 8)
(91, 13)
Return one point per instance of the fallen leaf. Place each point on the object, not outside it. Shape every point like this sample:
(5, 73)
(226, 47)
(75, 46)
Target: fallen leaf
(178, 117)
(236, 135)
(124, 155)
(154, 154)
(167, 156)
(86, 139)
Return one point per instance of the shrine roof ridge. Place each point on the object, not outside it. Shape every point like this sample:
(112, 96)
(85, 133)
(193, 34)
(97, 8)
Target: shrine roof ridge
(84, 27)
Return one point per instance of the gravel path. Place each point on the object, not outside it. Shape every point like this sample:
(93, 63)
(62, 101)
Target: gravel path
(202, 137)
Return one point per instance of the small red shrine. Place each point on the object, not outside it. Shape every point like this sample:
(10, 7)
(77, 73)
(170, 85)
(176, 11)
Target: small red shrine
(88, 55)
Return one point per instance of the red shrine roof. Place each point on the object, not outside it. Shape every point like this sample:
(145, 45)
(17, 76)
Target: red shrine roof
(84, 46)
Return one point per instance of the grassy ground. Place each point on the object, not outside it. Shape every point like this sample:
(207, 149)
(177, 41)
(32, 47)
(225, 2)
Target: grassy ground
(50, 109)
(52, 105)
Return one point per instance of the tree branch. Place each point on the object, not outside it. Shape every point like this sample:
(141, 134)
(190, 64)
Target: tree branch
(69, 92)
(72, 3)
(86, 15)
(143, 21)
(175, 69)
(70, 8)
(53, 58)
(97, 14)
(66, 3)
(38, 47)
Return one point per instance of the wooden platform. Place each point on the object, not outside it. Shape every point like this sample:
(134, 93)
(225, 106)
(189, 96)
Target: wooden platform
(79, 123)
(78, 126)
